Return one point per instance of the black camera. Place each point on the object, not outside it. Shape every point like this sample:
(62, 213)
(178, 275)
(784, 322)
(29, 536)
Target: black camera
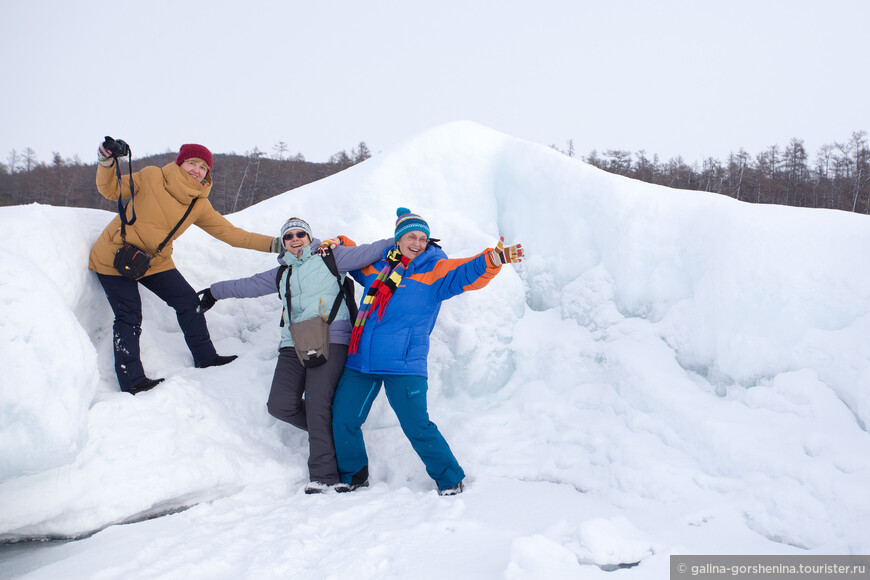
(116, 148)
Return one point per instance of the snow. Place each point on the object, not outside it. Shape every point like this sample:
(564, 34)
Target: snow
(668, 372)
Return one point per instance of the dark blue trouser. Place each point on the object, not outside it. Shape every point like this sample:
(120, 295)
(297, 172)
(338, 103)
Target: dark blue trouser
(171, 287)
(407, 396)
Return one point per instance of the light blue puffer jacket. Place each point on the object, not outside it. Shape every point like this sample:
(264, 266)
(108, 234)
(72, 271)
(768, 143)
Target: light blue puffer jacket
(313, 288)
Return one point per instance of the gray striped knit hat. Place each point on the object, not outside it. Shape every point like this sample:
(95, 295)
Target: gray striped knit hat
(296, 223)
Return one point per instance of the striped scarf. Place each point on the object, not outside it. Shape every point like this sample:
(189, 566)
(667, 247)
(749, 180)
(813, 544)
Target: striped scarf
(379, 294)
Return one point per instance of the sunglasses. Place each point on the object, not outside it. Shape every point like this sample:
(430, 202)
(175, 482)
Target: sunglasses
(290, 235)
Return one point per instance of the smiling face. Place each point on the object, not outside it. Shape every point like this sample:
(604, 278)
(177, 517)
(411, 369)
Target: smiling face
(195, 167)
(295, 241)
(413, 243)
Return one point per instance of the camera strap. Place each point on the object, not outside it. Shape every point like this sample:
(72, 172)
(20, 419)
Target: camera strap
(122, 206)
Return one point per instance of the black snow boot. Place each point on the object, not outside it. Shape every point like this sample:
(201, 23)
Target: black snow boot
(145, 384)
(219, 361)
(455, 490)
(316, 487)
(359, 479)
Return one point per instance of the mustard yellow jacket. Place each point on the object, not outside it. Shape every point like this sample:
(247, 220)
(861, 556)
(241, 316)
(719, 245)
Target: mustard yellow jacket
(162, 195)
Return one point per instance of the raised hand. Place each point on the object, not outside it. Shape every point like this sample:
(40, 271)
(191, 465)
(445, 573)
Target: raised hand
(506, 255)
(116, 147)
(104, 156)
(109, 149)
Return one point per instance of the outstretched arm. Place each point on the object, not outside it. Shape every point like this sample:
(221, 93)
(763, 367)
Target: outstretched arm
(350, 258)
(455, 276)
(251, 287)
(216, 225)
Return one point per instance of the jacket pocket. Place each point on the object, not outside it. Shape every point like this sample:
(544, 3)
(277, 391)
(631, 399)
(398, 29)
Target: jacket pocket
(391, 351)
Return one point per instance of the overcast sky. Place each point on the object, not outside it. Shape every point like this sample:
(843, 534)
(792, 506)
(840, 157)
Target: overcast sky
(695, 78)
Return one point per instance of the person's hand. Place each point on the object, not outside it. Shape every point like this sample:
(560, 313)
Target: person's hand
(109, 149)
(104, 156)
(206, 300)
(506, 255)
(115, 147)
(277, 245)
(329, 244)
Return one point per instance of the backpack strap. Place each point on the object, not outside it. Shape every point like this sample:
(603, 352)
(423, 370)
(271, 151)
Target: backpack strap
(281, 269)
(345, 288)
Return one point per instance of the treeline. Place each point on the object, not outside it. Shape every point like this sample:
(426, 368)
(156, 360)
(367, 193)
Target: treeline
(837, 178)
(239, 180)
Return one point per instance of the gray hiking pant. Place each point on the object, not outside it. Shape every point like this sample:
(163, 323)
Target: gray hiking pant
(313, 413)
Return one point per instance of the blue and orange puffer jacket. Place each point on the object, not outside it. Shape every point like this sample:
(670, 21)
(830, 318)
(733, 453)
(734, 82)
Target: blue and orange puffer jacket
(398, 343)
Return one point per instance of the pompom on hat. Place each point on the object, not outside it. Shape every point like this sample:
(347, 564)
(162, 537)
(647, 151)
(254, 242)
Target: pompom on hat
(190, 150)
(409, 222)
(296, 223)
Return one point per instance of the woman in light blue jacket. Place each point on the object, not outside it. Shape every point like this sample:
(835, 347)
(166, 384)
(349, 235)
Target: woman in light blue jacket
(312, 291)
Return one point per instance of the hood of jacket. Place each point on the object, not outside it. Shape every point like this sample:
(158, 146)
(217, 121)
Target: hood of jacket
(182, 186)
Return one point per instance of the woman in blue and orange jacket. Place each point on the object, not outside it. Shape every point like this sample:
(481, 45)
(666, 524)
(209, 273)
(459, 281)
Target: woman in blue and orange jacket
(389, 346)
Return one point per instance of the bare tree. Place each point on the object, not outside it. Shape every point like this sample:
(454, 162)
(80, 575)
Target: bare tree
(14, 160)
(737, 166)
(794, 166)
(618, 161)
(644, 170)
(821, 177)
(859, 165)
(280, 149)
(594, 160)
(767, 164)
(341, 159)
(361, 153)
(29, 159)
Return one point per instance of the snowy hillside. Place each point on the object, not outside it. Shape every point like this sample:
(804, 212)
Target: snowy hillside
(667, 372)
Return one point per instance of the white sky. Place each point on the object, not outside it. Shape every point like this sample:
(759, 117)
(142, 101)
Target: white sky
(671, 77)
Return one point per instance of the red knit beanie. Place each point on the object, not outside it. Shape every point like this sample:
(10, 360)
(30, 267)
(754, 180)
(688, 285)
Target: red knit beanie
(189, 150)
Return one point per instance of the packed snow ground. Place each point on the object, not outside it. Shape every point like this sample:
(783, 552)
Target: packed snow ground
(668, 372)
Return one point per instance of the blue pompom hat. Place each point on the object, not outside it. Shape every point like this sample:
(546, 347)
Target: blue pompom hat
(409, 222)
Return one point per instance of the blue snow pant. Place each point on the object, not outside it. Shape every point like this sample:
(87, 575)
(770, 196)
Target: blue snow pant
(407, 396)
(171, 287)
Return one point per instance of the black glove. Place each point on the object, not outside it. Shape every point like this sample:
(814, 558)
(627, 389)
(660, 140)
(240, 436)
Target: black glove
(206, 300)
(115, 148)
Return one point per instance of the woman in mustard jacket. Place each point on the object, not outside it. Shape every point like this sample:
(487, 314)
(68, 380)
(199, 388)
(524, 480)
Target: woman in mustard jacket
(161, 197)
